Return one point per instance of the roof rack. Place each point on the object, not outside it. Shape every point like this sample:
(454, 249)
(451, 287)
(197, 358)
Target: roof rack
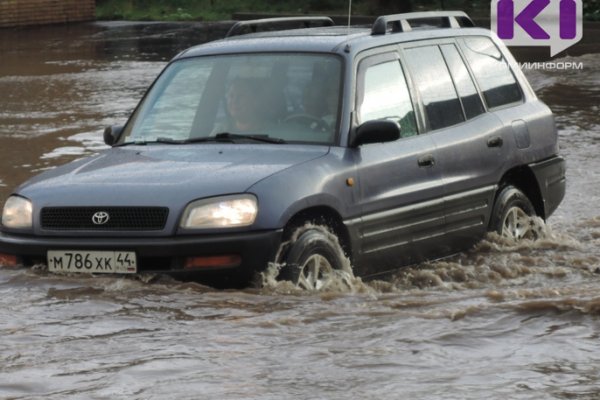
(400, 22)
(258, 25)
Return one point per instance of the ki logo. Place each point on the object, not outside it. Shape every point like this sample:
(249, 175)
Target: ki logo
(554, 23)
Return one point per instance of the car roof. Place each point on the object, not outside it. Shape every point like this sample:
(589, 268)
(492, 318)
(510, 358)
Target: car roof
(309, 39)
(333, 39)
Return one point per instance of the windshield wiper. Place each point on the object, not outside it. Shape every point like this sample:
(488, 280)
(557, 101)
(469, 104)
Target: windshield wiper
(164, 140)
(219, 137)
(257, 138)
(204, 139)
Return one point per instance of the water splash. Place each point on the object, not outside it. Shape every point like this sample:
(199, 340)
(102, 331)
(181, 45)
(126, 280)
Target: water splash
(500, 261)
(339, 281)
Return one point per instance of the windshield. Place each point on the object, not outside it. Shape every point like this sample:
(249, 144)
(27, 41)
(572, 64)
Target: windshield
(284, 97)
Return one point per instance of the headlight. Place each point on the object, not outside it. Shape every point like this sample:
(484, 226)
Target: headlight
(220, 212)
(17, 213)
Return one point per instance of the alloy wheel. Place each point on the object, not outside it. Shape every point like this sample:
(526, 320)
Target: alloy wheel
(315, 272)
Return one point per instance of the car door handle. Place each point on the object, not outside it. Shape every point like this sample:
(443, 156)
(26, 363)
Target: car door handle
(426, 161)
(495, 141)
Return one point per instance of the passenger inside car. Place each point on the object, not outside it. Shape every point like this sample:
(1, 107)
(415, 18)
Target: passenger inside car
(252, 106)
(245, 110)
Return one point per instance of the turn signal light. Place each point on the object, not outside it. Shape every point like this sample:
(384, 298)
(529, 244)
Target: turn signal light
(226, 261)
(8, 260)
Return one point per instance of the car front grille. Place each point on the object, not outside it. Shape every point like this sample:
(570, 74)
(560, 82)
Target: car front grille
(104, 218)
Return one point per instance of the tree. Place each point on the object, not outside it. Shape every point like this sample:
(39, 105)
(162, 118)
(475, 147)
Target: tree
(389, 6)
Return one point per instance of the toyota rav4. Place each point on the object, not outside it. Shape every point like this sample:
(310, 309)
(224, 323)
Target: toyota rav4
(304, 147)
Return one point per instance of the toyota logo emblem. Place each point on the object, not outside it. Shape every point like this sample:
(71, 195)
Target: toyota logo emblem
(100, 218)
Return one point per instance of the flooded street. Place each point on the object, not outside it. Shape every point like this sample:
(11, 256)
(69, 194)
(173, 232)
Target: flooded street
(502, 321)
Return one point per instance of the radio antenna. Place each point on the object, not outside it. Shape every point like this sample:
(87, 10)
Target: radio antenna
(349, 15)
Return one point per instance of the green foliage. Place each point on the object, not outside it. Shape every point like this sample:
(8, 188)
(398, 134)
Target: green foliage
(190, 9)
(591, 10)
(222, 10)
(210, 10)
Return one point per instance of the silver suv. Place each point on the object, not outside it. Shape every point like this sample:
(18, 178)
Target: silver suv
(305, 147)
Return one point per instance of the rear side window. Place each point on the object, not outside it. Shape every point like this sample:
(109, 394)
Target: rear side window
(435, 85)
(462, 81)
(491, 71)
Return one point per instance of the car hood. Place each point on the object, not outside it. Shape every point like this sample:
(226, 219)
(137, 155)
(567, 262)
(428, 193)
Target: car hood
(164, 175)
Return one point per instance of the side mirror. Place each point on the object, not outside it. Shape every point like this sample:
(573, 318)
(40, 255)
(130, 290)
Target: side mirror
(376, 131)
(111, 134)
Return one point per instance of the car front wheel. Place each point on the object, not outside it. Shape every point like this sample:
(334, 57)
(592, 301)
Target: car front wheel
(311, 260)
(512, 215)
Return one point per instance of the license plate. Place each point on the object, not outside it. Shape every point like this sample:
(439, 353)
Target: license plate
(95, 262)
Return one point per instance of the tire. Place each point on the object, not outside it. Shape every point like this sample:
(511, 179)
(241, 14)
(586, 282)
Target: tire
(512, 215)
(311, 259)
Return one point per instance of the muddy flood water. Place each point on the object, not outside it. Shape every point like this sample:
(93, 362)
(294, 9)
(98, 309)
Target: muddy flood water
(502, 321)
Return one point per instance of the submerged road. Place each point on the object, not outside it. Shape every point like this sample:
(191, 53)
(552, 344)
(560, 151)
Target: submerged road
(501, 321)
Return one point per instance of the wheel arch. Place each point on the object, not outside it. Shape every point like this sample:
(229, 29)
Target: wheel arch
(320, 215)
(524, 179)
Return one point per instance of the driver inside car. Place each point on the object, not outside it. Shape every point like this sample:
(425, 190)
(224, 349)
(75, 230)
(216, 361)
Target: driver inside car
(320, 101)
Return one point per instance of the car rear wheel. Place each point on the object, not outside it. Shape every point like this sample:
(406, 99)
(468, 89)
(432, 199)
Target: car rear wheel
(512, 215)
(311, 259)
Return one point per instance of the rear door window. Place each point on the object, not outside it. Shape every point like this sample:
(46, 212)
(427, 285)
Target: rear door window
(432, 78)
(465, 87)
(491, 71)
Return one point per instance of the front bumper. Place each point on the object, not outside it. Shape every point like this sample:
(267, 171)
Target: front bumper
(159, 255)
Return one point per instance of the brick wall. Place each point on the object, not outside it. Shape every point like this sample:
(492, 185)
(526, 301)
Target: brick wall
(38, 12)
